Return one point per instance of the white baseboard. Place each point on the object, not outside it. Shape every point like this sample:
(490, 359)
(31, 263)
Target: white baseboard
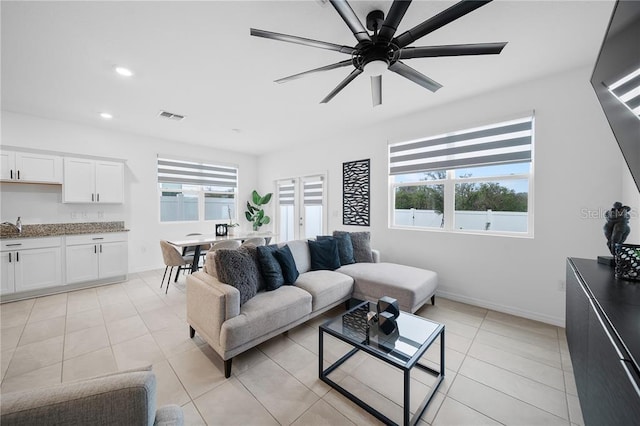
(559, 322)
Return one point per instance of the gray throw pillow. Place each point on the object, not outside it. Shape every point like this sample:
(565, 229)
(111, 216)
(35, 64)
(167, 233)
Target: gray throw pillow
(252, 250)
(361, 242)
(238, 269)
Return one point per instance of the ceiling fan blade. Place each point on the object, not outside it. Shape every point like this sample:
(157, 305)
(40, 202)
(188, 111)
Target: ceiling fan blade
(456, 11)
(303, 41)
(376, 89)
(417, 77)
(352, 21)
(356, 72)
(315, 70)
(452, 50)
(395, 15)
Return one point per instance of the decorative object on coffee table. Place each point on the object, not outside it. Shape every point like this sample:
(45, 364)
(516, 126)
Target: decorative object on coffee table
(628, 262)
(355, 192)
(388, 304)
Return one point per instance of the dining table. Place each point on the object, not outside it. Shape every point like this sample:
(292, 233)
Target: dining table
(196, 241)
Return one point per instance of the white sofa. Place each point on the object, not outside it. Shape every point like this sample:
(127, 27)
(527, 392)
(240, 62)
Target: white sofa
(215, 313)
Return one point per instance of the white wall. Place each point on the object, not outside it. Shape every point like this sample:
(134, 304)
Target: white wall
(140, 212)
(577, 175)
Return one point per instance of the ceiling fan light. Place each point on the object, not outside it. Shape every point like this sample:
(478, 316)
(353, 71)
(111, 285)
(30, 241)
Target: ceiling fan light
(375, 68)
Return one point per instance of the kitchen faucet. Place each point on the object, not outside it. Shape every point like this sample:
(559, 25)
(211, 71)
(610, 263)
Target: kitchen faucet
(17, 226)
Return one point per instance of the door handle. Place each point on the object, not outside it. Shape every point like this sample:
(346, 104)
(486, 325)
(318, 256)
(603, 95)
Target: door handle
(17, 256)
(18, 174)
(9, 257)
(11, 173)
(91, 197)
(100, 248)
(95, 249)
(98, 197)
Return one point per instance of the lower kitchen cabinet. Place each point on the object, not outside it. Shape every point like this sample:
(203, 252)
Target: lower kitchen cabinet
(30, 264)
(96, 257)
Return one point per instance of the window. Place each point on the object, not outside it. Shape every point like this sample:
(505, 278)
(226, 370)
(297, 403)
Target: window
(302, 209)
(193, 191)
(475, 180)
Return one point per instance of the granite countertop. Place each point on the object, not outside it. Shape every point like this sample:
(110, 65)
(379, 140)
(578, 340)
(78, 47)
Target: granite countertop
(57, 229)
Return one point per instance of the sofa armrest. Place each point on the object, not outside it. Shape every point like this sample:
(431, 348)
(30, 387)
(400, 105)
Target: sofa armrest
(127, 398)
(209, 304)
(376, 255)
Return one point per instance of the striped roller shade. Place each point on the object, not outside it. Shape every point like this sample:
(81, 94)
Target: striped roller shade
(627, 90)
(192, 173)
(286, 193)
(313, 192)
(503, 143)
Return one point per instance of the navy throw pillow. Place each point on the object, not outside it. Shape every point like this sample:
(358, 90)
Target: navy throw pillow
(270, 267)
(324, 254)
(288, 265)
(345, 247)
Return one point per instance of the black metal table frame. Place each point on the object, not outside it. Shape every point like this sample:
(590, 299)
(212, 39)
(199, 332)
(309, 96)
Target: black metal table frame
(407, 419)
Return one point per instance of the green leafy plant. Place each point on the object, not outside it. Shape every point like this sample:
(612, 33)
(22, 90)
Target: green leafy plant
(255, 214)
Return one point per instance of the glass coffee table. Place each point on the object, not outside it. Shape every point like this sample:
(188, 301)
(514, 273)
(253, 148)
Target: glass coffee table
(402, 348)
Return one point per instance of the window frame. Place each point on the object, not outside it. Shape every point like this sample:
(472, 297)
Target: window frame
(450, 181)
(200, 193)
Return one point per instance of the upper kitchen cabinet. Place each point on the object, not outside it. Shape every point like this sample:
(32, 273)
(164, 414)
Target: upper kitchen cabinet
(92, 181)
(27, 167)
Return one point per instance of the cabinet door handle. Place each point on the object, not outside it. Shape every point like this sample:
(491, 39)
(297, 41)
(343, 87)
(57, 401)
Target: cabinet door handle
(98, 197)
(95, 249)
(11, 173)
(18, 174)
(100, 248)
(9, 257)
(98, 238)
(17, 256)
(91, 197)
(14, 244)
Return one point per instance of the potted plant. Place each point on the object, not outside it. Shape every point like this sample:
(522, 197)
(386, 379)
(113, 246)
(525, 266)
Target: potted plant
(232, 225)
(255, 214)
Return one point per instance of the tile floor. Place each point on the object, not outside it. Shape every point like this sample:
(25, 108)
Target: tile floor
(501, 369)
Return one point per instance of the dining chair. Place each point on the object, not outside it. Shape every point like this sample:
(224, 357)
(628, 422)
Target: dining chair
(190, 251)
(256, 241)
(173, 258)
(226, 244)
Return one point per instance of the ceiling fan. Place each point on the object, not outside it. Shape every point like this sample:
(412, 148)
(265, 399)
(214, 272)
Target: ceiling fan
(375, 53)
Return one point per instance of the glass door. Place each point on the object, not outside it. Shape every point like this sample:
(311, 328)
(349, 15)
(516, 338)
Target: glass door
(302, 211)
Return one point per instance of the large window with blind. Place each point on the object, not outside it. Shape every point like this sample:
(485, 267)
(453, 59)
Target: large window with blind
(195, 191)
(476, 180)
(302, 209)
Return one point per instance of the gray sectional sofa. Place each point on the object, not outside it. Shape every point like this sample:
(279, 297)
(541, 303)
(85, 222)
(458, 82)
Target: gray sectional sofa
(215, 313)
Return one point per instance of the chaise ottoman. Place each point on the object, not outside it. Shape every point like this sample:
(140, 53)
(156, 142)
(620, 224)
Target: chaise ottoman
(411, 286)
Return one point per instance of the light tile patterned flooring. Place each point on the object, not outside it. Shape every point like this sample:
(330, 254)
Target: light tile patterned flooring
(501, 369)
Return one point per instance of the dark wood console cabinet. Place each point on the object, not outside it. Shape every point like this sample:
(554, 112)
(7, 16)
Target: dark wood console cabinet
(603, 333)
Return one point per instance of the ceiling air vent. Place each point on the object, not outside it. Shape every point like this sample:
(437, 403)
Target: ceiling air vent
(171, 116)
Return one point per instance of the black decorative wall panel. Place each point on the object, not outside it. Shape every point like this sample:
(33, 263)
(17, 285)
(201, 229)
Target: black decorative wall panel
(355, 192)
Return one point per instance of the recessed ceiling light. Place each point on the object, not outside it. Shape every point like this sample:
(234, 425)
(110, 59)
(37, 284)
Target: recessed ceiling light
(106, 115)
(125, 72)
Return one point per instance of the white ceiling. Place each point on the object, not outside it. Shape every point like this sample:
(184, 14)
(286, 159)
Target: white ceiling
(198, 59)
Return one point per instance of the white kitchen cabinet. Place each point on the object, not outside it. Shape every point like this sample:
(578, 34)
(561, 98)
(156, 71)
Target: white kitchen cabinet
(96, 257)
(27, 167)
(93, 181)
(30, 264)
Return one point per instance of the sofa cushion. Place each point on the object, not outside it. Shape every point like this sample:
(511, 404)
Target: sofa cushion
(287, 264)
(238, 269)
(361, 242)
(270, 267)
(268, 311)
(252, 250)
(345, 247)
(325, 287)
(324, 254)
(300, 251)
(411, 286)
